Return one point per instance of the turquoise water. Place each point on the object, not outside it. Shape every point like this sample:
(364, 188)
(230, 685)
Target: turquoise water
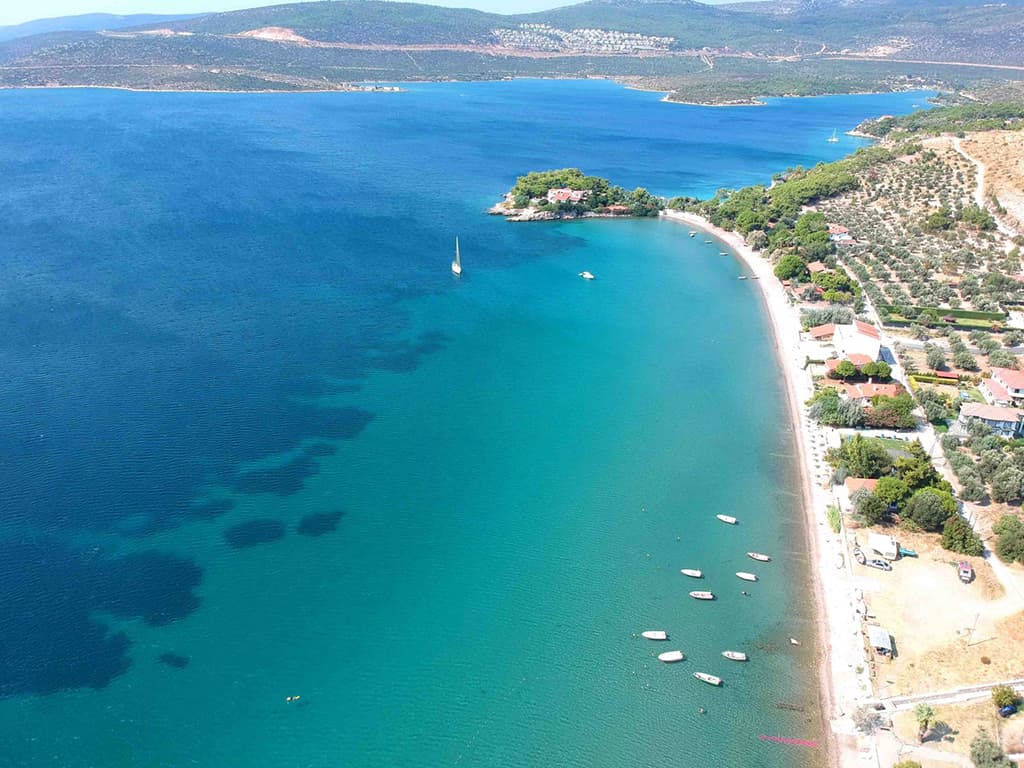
(258, 442)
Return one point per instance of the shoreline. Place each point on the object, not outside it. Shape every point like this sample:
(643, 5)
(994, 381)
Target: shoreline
(829, 591)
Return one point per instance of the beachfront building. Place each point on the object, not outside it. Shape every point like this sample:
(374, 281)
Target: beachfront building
(822, 332)
(1005, 387)
(1002, 420)
(565, 195)
(857, 338)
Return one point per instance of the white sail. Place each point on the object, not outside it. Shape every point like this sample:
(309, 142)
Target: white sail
(457, 261)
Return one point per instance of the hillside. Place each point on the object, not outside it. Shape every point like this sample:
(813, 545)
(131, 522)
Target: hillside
(323, 44)
(89, 22)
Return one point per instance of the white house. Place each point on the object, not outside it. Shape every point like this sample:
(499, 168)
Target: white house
(1005, 387)
(1004, 421)
(857, 338)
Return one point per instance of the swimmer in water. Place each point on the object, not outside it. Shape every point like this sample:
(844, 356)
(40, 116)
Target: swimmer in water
(701, 710)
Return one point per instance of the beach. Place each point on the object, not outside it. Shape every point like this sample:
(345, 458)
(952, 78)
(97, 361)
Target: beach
(838, 629)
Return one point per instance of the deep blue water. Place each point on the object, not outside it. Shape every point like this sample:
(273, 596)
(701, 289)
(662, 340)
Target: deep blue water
(256, 441)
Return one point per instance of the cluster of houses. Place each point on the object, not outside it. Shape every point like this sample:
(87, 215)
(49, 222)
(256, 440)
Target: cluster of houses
(858, 342)
(542, 37)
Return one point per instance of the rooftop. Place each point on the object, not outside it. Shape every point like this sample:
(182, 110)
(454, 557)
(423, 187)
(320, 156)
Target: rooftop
(990, 412)
(1008, 377)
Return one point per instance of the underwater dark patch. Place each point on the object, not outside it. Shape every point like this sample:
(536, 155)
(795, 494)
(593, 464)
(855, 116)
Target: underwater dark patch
(253, 532)
(283, 480)
(319, 523)
(52, 603)
(174, 660)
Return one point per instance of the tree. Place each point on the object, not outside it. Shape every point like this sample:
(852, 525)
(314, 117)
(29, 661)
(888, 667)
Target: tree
(1007, 483)
(871, 508)
(1000, 358)
(1004, 696)
(893, 491)
(936, 358)
(790, 266)
(862, 457)
(985, 753)
(965, 360)
(957, 536)
(925, 717)
(1013, 338)
(845, 369)
(930, 508)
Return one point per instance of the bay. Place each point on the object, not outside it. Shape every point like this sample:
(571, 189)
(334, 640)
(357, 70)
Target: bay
(258, 443)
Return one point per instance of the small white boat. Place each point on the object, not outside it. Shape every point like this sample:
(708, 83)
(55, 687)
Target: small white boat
(746, 576)
(670, 656)
(722, 253)
(457, 261)
(833, 138)
(709, 241)
(727, 519)
(586, 275)
(694, 573)
(702, 595)
(759, 557)
(655, 634)
(735, 655)
(709, 679)
(794, 641)
(743, 277)
(693, 233)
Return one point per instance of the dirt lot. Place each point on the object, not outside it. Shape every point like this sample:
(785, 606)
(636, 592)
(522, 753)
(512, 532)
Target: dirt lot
(945, 633)
(958, 724)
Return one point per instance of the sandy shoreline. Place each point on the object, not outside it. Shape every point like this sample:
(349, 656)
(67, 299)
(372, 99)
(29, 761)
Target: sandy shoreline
(835, 627)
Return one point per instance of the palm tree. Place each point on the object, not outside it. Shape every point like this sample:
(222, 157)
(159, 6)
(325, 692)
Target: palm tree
(925, 716)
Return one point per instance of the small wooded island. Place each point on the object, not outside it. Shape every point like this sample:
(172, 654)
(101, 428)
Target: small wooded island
(568, 194)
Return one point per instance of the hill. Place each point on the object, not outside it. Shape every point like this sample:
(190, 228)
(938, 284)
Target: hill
(321, 44)
(89, 22)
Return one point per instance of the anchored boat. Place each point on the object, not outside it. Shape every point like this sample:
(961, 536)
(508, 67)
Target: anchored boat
(695, 573)
(735, 655)
(727, 519)
(671, 656)
(758, 556)
(709, 679)
(655, 634)
(701, 595)
(586, 275)
(746, 576)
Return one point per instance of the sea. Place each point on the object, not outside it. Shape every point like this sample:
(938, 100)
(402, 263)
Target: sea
(280, 490)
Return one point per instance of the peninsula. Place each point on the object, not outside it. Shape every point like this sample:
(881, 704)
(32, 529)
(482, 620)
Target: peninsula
(567, 193)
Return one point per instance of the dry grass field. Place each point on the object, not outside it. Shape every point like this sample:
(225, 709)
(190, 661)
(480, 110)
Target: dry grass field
(1002, 154)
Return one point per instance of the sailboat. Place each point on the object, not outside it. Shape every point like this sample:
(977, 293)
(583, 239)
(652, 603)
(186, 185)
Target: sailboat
(457, 261)
(833, 138)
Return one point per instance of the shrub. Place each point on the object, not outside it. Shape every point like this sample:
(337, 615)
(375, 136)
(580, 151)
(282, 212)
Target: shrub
(985, 753)
(957, 536)
(1004, 696)
(1010, 544)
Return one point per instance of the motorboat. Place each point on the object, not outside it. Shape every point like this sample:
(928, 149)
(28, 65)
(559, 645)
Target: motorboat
(586, 275)
(794, 641)
(655, 634)
(709, 679)
(727, 519)
(702, 595)
(746, 576)
(759, 557)
(671, 656)
(694, 573)
(735, 655)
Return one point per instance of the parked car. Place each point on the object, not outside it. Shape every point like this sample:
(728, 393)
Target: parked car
(1009, 709)
(965, 572)
(881, 565)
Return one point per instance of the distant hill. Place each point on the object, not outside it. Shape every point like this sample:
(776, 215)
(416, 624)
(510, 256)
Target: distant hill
(319, 44)
(89, 22)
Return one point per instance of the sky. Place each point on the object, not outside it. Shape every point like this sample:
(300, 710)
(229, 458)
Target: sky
(15, 12)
